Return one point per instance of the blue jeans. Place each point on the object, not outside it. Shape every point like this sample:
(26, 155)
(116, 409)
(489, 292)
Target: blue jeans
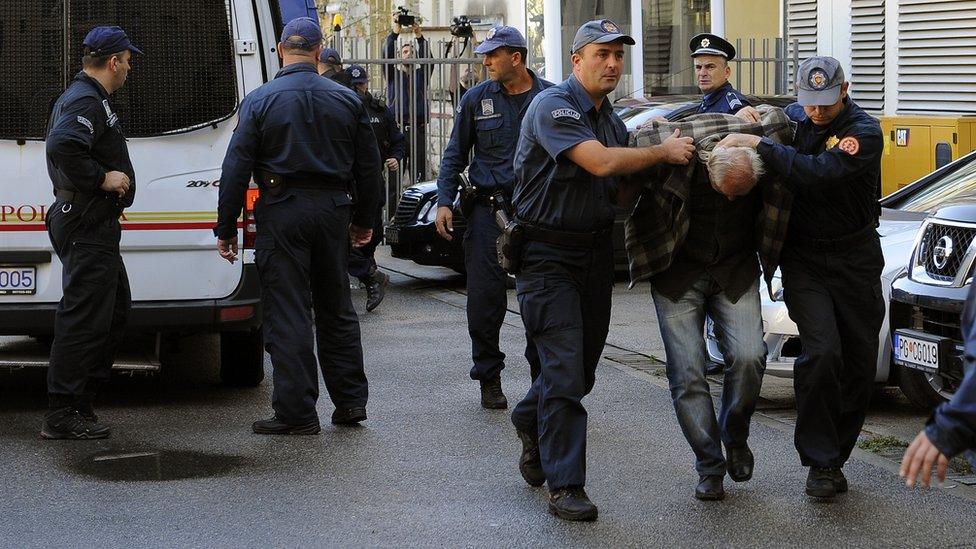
(739, 329)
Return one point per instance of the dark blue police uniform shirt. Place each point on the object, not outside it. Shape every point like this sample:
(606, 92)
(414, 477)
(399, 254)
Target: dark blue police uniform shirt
(952, 428)
(304, 126)
(832, 170)
(85, 140)
(488, 119)
(724, 100)
(552, 191)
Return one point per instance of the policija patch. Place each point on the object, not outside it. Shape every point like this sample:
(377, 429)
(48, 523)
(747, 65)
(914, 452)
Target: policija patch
(850, 145)
(566, 113)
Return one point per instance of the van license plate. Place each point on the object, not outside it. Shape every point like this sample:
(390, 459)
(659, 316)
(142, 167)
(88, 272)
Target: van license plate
(18, 280)
(392, 235)
(916, 352)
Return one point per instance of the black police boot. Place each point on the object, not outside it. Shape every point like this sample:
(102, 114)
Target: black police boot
(68, 424)
(820, 482)
(840, 481)
(492, 396)
(741, 462)
(376, 289)
(348, 416)
(274, 426)
(572, 504)
(530, 462)
(710, 488)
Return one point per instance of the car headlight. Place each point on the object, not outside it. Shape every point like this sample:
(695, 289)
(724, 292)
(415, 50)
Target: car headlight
(428, 213)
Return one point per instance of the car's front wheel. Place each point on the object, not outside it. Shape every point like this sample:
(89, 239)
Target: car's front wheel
(242, 358)
(923, 389)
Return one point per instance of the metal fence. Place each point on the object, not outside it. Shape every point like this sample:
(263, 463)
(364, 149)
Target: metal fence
(762, 66)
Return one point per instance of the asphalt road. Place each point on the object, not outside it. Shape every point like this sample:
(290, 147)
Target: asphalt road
(430, 467)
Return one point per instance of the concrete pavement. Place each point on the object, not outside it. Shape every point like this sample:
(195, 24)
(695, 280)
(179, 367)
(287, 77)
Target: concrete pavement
(429, 467)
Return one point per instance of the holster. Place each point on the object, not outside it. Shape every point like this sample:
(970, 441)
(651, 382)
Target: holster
(467, 201)
(509, 243)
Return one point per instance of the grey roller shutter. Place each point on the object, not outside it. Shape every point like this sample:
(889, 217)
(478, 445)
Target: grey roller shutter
(801, 30)
(867, 53)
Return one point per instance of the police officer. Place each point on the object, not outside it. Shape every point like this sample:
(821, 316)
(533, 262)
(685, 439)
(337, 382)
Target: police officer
(362, 261)
(712, 54)
(330, 63)
(308, 142)
(88, 162)
(831, 264)
(488, 119)
(570, 153)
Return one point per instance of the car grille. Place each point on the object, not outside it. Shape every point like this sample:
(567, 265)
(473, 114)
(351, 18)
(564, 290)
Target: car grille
(407, 207)
(937, 323)
(934, 245)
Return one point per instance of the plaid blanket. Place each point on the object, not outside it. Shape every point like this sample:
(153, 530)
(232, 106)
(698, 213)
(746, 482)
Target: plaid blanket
(658, 225)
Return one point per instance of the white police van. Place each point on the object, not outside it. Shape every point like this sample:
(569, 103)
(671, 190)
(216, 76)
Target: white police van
(178, 110)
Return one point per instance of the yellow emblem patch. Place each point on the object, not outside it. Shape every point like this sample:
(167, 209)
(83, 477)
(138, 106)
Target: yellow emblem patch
(832, 141)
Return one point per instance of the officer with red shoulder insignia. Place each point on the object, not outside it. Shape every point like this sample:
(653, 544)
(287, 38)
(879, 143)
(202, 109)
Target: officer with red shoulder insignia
(831, 263)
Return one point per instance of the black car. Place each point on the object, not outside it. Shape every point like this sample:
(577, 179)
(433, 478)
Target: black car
(411, 233)
(927, 301)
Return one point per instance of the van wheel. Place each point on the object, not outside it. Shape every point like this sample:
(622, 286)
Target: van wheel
(922, 389)
(242, 358)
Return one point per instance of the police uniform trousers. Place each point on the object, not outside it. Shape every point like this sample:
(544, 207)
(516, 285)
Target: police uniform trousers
(90, 320)
(564, 294)
(834, 296)
(301, 251)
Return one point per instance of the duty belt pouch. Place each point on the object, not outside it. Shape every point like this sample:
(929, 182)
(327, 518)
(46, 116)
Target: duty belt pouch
(509, 243)
(468, 199)
(274, 184)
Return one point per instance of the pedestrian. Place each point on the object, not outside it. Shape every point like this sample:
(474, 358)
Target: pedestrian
(704, 261)
(712, 54)
(570, 155)
(309, 145)
(487, 120)
(952, 428)
(362, 260)
(406, 90)
(89, 165)
(831, 263)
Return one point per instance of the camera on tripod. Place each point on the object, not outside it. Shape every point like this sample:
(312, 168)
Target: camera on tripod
(461, 27)
(404, 18)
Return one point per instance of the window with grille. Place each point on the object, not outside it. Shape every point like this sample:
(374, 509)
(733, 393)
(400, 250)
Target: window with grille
(187, 79)
(868, 53)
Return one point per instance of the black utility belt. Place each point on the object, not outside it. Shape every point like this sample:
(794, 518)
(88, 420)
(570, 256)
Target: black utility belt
(836, 244)
(275, 183)
(78, 197)
(566, 238)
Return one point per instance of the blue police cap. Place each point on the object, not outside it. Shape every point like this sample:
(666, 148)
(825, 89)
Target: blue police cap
(108, 40)
(499, 37)
(819, 81)
(328, 53)
(711, 44)
(357, 75)
(306, 28)
(599, 31)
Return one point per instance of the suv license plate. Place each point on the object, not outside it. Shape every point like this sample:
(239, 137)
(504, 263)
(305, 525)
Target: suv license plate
(18, 280)
(916, 352)
(392, 235)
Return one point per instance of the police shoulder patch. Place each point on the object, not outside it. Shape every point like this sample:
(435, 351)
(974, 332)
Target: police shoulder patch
(733, 100)
(850, 145)
(86, 123)
(566, 113)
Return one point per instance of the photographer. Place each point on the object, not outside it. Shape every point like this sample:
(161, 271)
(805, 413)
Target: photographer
(406, 90)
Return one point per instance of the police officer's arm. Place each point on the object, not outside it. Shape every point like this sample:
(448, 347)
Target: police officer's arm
(69, 145)
(453, 162)
(366, 172)
(856, 152)
(235, 176)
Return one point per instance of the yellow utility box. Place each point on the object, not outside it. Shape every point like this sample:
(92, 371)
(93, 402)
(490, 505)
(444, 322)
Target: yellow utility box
(917, 145)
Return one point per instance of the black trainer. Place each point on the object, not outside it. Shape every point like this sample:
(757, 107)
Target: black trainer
(68, 424)
(348, 416)
(376, 289)
(710, 488)
(274, 426)
(492, 396)
(572, 504)
(530, 462)
(840, 481)
(820, 483)
(741, 463)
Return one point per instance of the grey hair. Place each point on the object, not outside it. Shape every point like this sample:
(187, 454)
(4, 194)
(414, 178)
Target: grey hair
(723, 159)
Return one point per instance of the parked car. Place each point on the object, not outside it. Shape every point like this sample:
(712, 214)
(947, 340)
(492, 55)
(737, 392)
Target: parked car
(928, 298)
(903, 212)
(411, 234)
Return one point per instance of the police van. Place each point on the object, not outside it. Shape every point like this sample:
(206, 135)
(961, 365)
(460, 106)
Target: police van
(178, 111)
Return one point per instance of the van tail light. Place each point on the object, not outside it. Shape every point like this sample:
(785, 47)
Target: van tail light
(250, 224)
